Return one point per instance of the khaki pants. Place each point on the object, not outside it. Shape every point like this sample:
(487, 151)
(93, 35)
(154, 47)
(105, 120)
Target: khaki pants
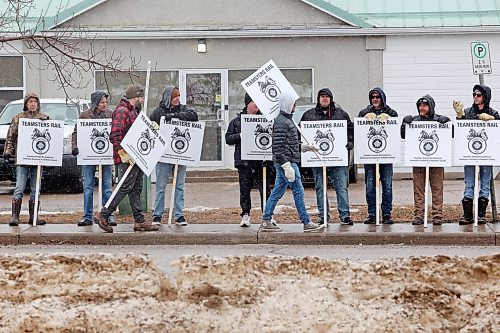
(436, 176)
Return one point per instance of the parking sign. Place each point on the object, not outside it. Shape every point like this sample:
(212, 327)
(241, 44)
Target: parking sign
(481, 61)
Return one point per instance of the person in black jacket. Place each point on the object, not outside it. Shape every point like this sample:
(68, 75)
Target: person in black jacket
(170, 108)
(250, 172)
(327, 109)
(425, 108)
(378, 109)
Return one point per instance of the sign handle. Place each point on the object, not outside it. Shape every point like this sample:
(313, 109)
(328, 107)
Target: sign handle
(37, 193)
(476, 194)
(122, 180)
(426, 196)
(99, 192)
(325, 189)
(146, 91)
(377, 194)
(172, 196)
(264, 182)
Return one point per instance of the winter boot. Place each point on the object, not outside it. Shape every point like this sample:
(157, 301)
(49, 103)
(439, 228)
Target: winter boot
(481, 211)
(16, 210)
(31, 207)
(467, 206)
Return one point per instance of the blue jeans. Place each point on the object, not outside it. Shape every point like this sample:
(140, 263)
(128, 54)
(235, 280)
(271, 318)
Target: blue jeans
(340, 177)
(280, 185)
(163, 172)
(386, 181)
(485, 174)
(88, 172)
(22, 175)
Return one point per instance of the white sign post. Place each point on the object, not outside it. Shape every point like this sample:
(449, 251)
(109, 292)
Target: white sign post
(481, 61)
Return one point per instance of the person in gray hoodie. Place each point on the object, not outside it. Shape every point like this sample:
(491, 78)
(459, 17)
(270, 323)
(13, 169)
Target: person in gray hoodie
(170, 108)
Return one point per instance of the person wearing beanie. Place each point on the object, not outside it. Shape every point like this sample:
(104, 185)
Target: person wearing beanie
(480, 110)
(378, 109)
(123, 117)
(327, 109)
(98, 110)
(31, 110)
(249, 172)
(170, 108)
(286, 157)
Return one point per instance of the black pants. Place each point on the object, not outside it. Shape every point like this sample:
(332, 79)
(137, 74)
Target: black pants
(132, 186)
(250, 174)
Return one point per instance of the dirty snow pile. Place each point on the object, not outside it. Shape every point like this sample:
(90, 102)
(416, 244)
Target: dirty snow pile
(129, 293)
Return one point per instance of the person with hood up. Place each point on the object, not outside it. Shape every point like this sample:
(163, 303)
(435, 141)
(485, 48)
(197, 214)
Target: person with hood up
(169, 108)
(378, 109)
(327, 109)
(481, 110)
(31, 110)
(249, 172)
(98, 110)
(286, 156)
(426, 112)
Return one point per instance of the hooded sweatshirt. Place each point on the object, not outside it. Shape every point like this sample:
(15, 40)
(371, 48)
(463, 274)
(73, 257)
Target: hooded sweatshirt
(384, 107)
(165, 108)
(473, 112)
(286, 147)
(433, 116)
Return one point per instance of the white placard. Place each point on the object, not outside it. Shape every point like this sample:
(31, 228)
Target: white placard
(476, 142)
(330, 136)
(428, 143)
(184, 141)
(94, 147)
(144, 144)
(256, 138)
(377, 141)
(40, 142)
(265, 86)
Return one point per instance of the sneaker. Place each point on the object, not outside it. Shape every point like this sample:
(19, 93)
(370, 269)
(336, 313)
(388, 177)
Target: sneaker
(437, 222)
(112, 221)
(102, 222)
(370, 220)
(387, 220)
(84, 222)
(145, 226)
(346, 221)
(269, 226)
(418, 221)
(311, 226)
(156, 219)
(245, 221)
(181, 221)
(481, 220)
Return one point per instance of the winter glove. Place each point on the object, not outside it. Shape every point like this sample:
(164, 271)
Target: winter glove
(349, 145)
(371, 116)
(486, 117)
(311, 148)
(75, 151)
(155, 125)
(289, 172)
(459, 109)
(125, 157)
(168, 117)
(6, 158)
(383, 117)
(443, 119)
(407, 120)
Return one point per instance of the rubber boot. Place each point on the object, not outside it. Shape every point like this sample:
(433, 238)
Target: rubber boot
(481, 211)
(16, 210)
(31, 206)
(467, 206)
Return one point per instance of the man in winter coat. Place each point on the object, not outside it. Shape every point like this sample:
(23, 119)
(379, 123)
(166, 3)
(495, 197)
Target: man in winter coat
(378, 109)
(31, 110)
(123, 117)
(249, 172)
(480, 110)
(425, 108)
(286, 156)
(169, 108)
(327, 109)
(98, 110)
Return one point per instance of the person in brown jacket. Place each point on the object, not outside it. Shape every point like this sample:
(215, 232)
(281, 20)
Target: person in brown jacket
(98, 110)
(31, 110)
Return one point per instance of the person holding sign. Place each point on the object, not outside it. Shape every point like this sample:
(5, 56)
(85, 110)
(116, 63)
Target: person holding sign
(31, 110)
(378, 109)
(169, 108)
(481, 110)
(425, 108)
(286, 156)
(327, 109)
(98, 110)
(123, 117)
(250, 172)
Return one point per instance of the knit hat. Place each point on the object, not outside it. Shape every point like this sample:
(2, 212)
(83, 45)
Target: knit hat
(28, 96)
(175, 93)
(133, 92)
(248, 99)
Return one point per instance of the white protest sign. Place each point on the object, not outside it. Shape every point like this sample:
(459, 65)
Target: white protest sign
(184, 141)
(428, 143)
(265, 86)
(330, 136)
(92, 136)
(42, 142)
(377, 141)
(144, 144)
(476, 142)
(256, 138)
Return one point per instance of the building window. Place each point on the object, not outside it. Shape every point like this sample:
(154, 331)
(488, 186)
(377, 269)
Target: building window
(11, 80)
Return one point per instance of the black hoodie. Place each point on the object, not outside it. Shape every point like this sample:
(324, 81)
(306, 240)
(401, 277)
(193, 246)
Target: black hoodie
(473, 112)
(433, 116)
(384, 109)
(165, 109)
